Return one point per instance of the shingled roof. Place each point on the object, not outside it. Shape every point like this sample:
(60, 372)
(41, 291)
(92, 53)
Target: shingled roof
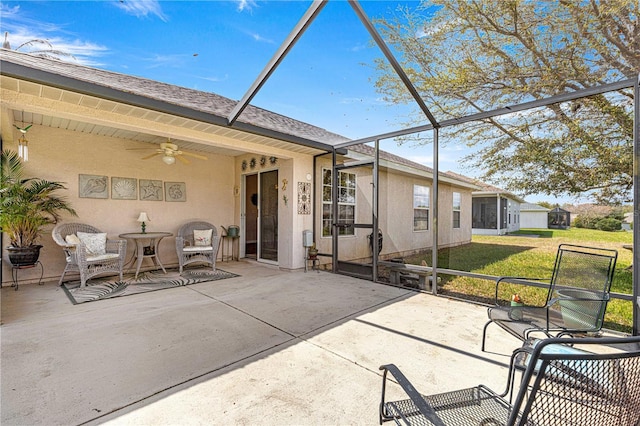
(384, 155)
(486, 187)
(156, 95)
(178, 100)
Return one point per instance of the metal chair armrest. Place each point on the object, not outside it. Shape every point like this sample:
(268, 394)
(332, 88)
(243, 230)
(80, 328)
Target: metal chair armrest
(425, 409)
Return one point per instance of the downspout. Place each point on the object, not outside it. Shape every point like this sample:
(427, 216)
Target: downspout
(334, 214)
(315, 200)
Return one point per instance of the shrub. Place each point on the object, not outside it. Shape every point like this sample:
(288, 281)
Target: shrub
(609, 224)
(587, 221)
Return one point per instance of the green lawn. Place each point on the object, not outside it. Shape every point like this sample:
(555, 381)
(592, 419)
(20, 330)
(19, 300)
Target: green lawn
(525, 256)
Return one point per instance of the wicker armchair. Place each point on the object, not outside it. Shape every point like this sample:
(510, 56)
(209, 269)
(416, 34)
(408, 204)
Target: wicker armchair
(187, 250)
(79, 259)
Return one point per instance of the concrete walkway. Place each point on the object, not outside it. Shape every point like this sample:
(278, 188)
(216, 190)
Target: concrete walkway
(268, 347)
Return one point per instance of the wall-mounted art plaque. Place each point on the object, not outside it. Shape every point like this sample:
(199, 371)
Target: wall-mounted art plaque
(124, 188)
(150, 190)
(304, 198)
(175, 191)
(92, 186)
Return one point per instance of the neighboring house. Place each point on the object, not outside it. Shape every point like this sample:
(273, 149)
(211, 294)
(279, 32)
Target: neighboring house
(533, 216)
(494, 210)
(559, 218)
(267, 173)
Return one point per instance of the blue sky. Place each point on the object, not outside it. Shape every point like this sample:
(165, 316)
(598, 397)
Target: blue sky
(222, 46)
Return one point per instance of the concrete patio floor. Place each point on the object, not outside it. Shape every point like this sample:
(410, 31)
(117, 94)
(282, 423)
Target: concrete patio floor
(268, 347)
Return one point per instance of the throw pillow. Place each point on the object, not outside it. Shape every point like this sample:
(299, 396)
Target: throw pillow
(96, 243)
(72, 239)
(202, 237)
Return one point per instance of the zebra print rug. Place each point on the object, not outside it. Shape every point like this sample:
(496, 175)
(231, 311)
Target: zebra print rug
(107, 288)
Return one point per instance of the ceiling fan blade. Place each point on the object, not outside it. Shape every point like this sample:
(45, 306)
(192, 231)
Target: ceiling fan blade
(184, 160)
(151, 156)
(141, 149)
(190, 154)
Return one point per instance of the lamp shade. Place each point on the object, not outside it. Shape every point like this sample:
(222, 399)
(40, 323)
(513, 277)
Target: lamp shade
(169, 159)
(143, 217)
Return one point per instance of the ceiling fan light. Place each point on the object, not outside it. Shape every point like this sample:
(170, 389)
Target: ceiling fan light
(169, 159)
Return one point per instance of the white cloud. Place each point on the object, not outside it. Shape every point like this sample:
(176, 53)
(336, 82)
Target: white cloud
(23, 29)
(216, 79)
(258, 37)
(141, 8)
(248, 5)
(167, 61)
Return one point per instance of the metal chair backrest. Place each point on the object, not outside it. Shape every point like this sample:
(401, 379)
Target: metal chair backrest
(583, 273)
(597, 387)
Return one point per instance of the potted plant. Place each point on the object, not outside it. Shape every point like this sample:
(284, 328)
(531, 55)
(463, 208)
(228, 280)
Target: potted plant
(313, 251)
(26, 206)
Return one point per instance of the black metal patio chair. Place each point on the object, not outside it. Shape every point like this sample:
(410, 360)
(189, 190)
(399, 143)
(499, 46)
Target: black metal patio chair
(597, 386)
(577, 296)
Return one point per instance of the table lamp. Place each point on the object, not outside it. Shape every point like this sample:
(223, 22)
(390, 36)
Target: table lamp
(143, 218)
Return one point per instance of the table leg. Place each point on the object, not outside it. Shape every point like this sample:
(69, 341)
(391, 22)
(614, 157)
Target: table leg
(139, 254)
(14, 277)
(14, 273)
(156, 258)
(41, 272)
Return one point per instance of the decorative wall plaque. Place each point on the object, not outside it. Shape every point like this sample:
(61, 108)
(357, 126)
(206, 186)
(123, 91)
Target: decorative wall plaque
(150, 190)
(92, 186)
(304, 198)
(175, 191)
(124, 188)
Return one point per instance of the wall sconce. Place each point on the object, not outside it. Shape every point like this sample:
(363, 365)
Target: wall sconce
(143, 218)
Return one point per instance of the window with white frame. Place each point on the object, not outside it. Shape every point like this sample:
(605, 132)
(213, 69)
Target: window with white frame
(346, 202)
(457, 201)
(420, 208)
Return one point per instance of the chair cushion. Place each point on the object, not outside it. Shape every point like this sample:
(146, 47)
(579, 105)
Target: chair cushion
(96, 243)
(106, 256)
(202, 237)
(72, 239)
(197, 249)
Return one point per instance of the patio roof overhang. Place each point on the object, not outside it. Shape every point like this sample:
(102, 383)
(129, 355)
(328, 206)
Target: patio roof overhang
(213, 129)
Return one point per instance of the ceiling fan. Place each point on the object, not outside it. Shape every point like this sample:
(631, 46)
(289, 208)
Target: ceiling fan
(170, 152)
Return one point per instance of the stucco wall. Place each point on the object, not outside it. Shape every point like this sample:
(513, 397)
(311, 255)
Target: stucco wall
(533, 219)
(291, 171)
(62, 155)
(396, 215)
